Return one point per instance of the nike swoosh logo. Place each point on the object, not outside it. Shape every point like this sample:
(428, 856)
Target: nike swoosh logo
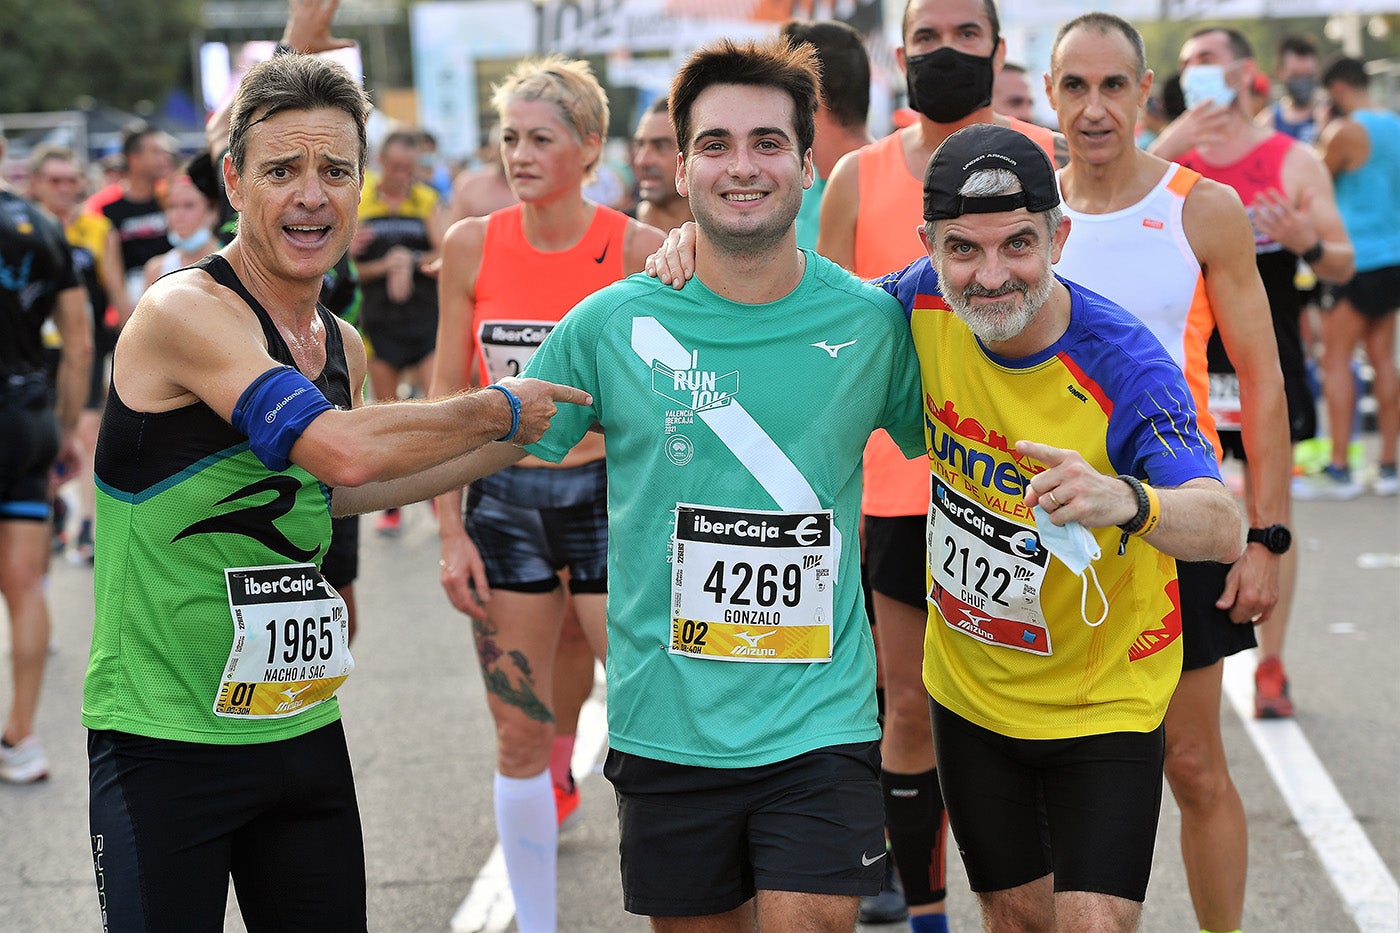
(867, 861)
(603, 255)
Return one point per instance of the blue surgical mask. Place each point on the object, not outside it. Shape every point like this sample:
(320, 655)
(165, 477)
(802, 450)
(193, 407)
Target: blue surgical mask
(1206, 82)
(189, 244)
(1077, 549)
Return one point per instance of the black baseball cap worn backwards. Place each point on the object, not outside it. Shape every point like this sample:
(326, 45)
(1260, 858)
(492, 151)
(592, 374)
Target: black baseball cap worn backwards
(984, 146)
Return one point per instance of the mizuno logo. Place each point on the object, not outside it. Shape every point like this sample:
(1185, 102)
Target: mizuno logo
(753, 639)
(867, 861)
(293, 694)
(832, 350)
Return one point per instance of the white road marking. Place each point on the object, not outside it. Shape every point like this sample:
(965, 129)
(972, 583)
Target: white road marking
(1357, 872)
(489, 906)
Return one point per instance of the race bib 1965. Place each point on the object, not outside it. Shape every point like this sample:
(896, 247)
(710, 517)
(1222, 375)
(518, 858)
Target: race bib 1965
(752, 585)
(291, 642)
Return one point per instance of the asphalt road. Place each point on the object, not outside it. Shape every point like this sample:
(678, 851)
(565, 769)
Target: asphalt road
(422, 746)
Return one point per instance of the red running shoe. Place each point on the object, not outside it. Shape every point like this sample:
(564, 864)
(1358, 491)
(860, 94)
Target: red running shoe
(1271, 691)
(566, 802)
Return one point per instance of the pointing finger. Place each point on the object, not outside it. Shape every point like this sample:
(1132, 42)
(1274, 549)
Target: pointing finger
(573, 396)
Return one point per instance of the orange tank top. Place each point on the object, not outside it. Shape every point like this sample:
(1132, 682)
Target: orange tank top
(891, 208)
(519, 288)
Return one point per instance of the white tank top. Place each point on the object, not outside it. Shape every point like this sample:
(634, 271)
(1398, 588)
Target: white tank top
(1139, 258)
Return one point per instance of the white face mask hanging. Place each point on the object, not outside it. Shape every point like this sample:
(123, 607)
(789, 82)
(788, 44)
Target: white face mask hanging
(1077, 549)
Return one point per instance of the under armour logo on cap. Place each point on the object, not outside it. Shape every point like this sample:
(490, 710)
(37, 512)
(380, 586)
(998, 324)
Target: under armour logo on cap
(987, 146)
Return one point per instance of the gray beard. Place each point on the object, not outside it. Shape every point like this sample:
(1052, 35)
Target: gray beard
(1002, 320)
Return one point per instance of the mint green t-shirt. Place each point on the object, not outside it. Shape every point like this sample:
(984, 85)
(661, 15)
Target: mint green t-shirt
(735, 413)
(809, 214)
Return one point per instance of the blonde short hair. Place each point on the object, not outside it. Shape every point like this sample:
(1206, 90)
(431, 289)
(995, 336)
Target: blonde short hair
(569, 85)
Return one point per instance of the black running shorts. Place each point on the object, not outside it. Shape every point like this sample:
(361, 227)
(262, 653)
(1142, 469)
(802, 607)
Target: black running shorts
(341, 565)
(1375, 293)
(28, 446)
(700, 841)
(172, 821)
(896, 559)
(1207, 632)
(1083, 808)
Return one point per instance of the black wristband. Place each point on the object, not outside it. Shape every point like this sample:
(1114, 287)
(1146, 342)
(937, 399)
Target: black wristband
(1312, 255)
(1144, 505)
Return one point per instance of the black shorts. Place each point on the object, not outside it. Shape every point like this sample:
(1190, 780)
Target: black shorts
(700, 841)
(1207, 632)
(400, 335)
(341, 565)
(896, 558)
(28, 446)
(172, 821)
(531, 522)
(1373, 294)
(104, 341)
(1084, 808)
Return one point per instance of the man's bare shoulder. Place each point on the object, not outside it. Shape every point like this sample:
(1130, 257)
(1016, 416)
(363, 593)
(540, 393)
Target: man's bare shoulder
(1303, 167)
(1217, 225)
(186, 300)
(185, 329)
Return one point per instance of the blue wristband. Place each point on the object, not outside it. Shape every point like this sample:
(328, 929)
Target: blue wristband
(514, 411)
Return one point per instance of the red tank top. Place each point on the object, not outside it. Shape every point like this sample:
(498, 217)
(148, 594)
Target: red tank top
(1256, 172)
(518, 284)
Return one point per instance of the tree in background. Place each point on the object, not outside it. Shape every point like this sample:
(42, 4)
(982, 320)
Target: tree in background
(118, 51)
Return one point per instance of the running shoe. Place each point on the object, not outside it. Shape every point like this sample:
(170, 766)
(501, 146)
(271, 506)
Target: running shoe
(1387, 482)
(1271, 691)
(566, 803)
(24, 763)
(1333, 483)
(80, 554)
(889, 905)
(389, 524)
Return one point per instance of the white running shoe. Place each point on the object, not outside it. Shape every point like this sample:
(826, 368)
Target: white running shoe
(1386, 483)
(1333, 483)
(25, 763)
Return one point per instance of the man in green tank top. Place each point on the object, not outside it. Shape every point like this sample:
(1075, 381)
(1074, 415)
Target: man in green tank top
(231, 438)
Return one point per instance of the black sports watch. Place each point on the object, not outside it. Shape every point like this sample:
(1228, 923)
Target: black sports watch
(1276, 538)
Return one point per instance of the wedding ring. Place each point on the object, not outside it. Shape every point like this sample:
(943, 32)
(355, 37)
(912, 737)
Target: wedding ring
(1051, 497)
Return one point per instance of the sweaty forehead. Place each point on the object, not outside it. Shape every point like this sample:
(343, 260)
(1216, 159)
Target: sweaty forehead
(322, 131)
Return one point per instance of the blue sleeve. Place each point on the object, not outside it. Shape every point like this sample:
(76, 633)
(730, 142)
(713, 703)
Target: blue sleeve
(1153, 432)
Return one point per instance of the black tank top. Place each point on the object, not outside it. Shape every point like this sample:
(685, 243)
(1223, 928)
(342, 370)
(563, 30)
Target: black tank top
(137, 450)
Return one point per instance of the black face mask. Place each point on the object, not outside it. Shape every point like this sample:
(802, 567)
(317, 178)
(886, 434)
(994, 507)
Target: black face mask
(946, 85)
(1301, 90)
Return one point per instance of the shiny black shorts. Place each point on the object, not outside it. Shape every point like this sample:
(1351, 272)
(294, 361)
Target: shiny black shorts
(531, 522)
